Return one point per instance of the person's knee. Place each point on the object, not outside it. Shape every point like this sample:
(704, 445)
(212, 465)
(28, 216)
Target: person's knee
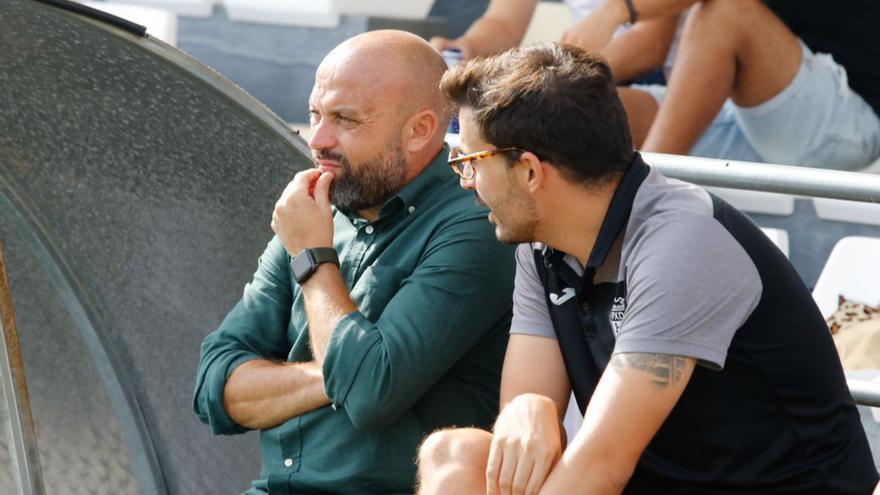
(641, 108)
(727, 13)
(463, 447)
(454, 461)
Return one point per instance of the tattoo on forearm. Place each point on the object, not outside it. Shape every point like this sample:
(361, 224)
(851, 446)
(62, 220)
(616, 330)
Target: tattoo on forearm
(664, 368)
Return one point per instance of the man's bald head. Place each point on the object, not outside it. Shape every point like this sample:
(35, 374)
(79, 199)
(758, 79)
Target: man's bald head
(394, 64)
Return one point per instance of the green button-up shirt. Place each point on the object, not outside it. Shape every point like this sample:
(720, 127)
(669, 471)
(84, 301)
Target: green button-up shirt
(424, 350)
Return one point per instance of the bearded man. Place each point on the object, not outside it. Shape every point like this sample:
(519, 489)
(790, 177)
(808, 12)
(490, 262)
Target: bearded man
(379, 312)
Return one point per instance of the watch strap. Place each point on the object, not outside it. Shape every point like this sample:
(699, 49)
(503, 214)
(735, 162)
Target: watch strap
(325, 255)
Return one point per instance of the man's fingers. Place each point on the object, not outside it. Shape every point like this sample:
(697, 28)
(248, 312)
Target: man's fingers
(493, 467)
(322, 189)
(522, 474)
(507, 471)
(303, 180)
(300, 186)
(540, 471)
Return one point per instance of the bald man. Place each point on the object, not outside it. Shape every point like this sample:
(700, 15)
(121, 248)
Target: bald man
(379, 312)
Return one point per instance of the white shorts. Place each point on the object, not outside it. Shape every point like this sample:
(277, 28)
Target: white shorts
(816, 121)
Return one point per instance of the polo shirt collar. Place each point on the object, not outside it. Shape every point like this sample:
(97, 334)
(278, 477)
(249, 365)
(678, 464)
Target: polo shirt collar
(618, 211)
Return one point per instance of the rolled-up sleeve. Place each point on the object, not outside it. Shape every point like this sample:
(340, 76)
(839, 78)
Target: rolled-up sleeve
(254, 329)
(460, 290)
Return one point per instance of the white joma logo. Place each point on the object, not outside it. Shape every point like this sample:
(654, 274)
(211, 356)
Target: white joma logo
(567, 293)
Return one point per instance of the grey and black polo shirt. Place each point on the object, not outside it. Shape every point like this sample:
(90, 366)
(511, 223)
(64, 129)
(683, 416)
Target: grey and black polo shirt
(675, 270)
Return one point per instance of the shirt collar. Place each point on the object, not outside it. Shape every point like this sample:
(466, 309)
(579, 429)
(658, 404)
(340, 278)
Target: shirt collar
(414, 192)
(618, 210)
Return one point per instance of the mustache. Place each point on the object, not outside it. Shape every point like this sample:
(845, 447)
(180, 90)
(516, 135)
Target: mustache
(329, 155)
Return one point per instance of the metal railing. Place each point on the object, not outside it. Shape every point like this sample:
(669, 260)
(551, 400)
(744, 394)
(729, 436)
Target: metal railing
(786, 179)
(864, 392)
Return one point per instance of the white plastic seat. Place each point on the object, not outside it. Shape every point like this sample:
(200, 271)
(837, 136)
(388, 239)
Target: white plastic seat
(847, 211)
(756, 201)
(401, 9)
(313, 13)
(852, 270)
(850, 211)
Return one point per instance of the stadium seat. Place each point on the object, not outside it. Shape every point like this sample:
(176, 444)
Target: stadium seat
(852, 271)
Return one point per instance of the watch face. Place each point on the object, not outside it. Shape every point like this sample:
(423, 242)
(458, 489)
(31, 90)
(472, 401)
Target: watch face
(302, 265)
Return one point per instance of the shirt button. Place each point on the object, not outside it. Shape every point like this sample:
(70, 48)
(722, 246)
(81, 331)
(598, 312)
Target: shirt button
(411, 209)
(369, 229)
(288, 462)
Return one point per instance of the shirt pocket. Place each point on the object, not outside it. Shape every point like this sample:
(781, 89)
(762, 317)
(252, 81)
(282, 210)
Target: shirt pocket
(375, 288)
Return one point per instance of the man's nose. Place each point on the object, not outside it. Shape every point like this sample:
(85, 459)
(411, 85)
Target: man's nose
(466, 183)
(322, 136)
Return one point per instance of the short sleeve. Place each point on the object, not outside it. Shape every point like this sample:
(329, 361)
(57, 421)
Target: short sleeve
(690, 287)
(530, 313)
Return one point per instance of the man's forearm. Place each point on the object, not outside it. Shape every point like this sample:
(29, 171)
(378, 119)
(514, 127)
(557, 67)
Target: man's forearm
(645, 9)
(326, 301)
(632, 400)
(489, 35)
(569, 476)
(262, 394)
(641, 49)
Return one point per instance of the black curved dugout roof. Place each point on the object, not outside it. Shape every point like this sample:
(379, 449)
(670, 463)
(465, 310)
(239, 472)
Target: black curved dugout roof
(136, 190)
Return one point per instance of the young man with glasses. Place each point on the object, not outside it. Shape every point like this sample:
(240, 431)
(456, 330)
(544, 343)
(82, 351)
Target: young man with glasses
(696, 353)
(380, 311)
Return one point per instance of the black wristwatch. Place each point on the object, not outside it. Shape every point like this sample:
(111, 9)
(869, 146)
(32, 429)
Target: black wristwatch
(304, 264)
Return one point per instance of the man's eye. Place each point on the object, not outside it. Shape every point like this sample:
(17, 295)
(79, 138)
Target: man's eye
(314, 116)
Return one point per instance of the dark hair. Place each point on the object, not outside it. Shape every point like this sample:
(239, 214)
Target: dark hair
(554, 100)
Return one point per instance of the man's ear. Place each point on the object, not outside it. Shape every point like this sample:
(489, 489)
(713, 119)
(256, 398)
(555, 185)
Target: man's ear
(419, 130)
(532, 171)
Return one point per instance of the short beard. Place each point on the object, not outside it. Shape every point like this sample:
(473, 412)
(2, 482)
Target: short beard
(369, 184)
(521, 226)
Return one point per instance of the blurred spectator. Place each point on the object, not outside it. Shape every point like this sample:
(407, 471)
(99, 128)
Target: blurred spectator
(636, 53)
(642, 53)
(780, 81)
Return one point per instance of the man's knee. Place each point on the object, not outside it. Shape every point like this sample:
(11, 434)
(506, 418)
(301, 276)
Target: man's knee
(464, 447)
(454, 461)
(733, 9)
(732, 16)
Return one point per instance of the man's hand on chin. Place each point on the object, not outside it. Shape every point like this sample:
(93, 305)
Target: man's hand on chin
(303, 217)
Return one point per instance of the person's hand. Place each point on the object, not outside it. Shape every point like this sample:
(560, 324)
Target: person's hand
(440, 43)
(302, 217)
(592, 32)
(526, 443)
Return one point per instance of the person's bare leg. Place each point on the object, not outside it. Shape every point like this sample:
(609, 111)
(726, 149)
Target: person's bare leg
(640, 108)
(454, 461)
(729, 48)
